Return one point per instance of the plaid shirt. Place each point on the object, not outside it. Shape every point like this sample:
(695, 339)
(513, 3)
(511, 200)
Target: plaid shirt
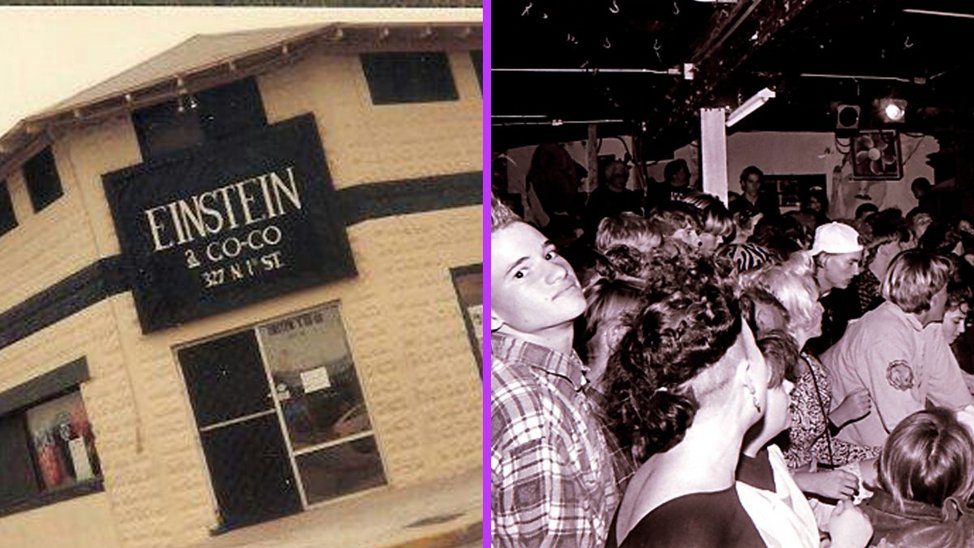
(551, 473)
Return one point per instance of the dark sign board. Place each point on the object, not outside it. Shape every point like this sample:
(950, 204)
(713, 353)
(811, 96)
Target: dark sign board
(229, 224)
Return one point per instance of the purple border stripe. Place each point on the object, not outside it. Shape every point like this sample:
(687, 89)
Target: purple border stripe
(486, 262)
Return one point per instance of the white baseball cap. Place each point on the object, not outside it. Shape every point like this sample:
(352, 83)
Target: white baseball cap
(836, 238)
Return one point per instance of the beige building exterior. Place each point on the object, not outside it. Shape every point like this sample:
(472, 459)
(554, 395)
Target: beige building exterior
(405, 316)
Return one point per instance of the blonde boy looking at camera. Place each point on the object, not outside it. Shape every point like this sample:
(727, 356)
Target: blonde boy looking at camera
(552, 478)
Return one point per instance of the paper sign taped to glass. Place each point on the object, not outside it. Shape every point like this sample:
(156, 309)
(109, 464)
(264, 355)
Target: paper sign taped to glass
(315, 379)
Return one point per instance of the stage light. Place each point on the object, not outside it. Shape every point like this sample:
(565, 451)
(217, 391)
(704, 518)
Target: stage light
(894, 112)
(891, 110)
(847, 117)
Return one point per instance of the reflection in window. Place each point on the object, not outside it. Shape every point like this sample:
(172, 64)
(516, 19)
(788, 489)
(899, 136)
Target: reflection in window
(340, 470)
(314, 378)
(321, 399)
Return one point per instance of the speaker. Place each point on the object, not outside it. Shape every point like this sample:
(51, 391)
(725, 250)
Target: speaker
(847, 117)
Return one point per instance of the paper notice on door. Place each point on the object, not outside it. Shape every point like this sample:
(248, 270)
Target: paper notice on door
(79, 458)
(315, 379)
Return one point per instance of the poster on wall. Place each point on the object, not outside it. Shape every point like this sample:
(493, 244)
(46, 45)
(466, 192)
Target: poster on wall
(217, 227)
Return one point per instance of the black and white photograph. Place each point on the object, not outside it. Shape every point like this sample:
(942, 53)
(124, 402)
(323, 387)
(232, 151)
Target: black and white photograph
(731, 273)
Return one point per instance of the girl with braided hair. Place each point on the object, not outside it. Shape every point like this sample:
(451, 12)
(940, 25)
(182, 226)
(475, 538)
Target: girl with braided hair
(685, 384)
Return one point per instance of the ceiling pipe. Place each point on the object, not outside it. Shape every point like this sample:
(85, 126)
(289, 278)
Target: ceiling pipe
(667, 72)
(857, 77)
(939, 13)
(725, 33)
(556, 122)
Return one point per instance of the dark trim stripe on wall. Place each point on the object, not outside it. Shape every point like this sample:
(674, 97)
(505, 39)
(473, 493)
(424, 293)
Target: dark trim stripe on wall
(376, 200)
(359, 203)
(78, 291)
(44, 386)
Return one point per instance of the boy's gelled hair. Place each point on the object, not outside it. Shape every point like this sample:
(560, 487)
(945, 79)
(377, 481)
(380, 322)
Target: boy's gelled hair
(501, 216)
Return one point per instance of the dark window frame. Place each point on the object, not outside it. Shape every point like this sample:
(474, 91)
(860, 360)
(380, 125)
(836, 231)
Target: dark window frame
(15, 405)
(469, 270)
(8, 218)
(407, 77)
(42, 179)
(477, 58)
(207, 116)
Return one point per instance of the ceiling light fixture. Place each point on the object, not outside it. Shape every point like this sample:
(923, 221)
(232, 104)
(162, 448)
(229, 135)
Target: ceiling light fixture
(755, 102)
(891, 110)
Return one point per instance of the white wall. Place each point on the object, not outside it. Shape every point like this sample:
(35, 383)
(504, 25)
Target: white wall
(809, 153)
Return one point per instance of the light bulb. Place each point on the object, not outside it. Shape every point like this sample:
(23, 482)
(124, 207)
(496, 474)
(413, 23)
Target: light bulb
(894, 112)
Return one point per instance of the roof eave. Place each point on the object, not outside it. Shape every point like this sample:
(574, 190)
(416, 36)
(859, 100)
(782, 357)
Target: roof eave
(336, 37)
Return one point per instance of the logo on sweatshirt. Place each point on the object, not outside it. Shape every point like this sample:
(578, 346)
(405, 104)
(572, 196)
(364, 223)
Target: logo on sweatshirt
(899, 375)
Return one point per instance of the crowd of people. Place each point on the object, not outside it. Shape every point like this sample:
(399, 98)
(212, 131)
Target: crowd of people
(691, 374)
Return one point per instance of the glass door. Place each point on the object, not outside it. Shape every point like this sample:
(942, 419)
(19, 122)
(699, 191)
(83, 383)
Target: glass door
(321, 404)
(246, 454)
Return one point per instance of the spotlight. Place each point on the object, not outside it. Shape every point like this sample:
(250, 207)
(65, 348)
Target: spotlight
(891, 110)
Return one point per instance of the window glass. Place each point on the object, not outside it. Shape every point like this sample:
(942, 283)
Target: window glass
(340, 470)
(314, 378)
(162, 129)
(225, 378)
(409, 77)
(43, 181)
(17, 479)
(230, 110)
(63, 442)
(196, 118)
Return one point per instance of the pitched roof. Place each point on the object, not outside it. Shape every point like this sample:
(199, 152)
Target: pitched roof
(207, 60)
(197, 52)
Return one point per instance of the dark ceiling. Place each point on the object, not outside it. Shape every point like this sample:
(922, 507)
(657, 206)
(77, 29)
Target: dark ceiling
(557, 65)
